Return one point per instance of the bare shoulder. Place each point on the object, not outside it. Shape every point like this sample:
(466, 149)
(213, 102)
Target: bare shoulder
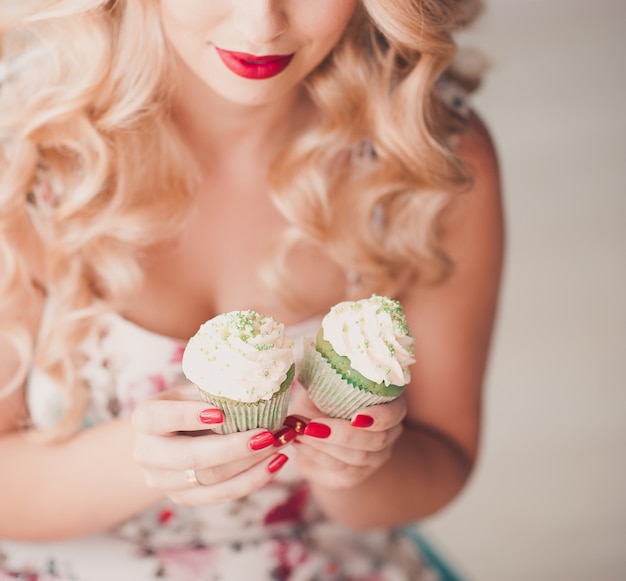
(477, 149)
(476, 213)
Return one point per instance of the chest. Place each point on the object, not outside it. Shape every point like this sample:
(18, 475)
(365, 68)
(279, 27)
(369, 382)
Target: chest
(226, 251)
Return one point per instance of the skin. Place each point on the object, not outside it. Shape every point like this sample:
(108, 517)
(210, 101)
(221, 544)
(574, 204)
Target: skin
(419, 450)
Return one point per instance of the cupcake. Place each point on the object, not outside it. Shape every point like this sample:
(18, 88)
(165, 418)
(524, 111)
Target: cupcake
(242, 363)
(361, 356)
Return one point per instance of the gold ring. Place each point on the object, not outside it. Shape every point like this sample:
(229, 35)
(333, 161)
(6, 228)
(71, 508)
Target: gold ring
(284, 436)
(296, 422)
(192, 478)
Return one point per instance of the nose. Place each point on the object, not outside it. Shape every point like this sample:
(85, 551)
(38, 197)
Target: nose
(260, 21)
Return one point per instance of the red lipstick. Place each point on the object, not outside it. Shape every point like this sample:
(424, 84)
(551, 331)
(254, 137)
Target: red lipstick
(251, 66)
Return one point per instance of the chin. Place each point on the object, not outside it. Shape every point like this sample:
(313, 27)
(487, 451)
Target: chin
(251, 97)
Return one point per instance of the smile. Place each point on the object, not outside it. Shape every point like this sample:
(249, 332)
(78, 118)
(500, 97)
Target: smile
(252, 66)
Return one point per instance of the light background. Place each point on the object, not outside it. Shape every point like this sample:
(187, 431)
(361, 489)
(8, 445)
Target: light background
(548, 500)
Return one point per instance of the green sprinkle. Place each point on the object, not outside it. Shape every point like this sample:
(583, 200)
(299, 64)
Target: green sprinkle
(394, 309)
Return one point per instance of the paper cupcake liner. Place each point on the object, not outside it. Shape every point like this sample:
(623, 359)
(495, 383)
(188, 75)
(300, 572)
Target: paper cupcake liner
(328, 390)
(242, 416)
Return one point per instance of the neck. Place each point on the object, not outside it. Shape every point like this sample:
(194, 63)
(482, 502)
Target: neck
(219, 130)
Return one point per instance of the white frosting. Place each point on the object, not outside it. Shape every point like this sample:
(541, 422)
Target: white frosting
(241, 355)
(373, 334)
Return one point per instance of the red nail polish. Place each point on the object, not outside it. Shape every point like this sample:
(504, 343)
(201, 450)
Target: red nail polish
(211, 416)
(262, 440)
(317, 430)
(298, 423)
(362, 421)
(277, 463)
(284, 436)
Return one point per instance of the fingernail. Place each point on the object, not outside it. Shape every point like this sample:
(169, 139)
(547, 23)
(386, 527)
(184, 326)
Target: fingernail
(298, 423)
(284, 436)
(362, 421)
(277, 463)
(211, 416)
(262, 440)
(317, 430)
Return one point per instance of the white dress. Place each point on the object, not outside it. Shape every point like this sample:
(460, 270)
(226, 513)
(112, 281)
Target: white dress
(274, 534)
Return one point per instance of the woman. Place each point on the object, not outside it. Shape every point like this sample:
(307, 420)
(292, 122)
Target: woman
(165, 161)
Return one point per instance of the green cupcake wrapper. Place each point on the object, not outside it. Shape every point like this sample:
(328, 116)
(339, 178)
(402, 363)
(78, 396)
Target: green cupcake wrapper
(242, 416)
(328, 390)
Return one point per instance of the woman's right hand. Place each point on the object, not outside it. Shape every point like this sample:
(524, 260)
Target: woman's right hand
(191, 465)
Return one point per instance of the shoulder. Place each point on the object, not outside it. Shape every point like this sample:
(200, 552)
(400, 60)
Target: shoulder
(476, 213)
(476, 148)
(471, 139)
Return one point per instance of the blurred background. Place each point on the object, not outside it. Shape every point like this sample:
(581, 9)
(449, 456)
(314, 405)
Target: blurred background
(548, 499)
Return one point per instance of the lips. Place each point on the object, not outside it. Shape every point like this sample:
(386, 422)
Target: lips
(252, 66)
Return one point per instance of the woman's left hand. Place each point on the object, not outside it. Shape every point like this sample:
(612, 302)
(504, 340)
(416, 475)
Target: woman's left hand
(338, 453)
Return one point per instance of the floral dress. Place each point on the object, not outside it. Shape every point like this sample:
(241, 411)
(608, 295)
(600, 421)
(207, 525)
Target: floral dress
(274, 534)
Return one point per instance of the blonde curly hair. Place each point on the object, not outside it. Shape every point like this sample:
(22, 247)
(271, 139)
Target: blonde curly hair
(90, 152)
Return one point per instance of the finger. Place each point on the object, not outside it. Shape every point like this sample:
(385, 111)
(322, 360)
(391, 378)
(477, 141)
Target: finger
(184, 391)
(332, 433)
(331, 473)
(237, 487)
(379, 442)
(322, 462)
(331, 457)
(168, 416)
(176, 480)
(183, 452)
(296, 423)
(382, 416)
